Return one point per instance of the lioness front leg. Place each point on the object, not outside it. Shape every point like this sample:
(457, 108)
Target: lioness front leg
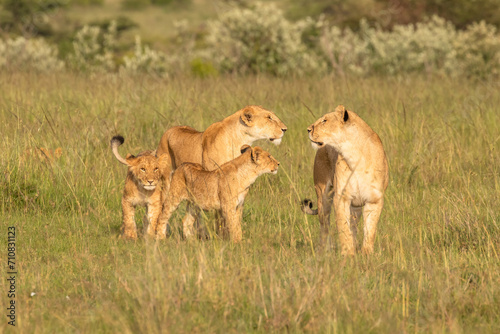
(371, 216)
(129, 229)
(343, 219)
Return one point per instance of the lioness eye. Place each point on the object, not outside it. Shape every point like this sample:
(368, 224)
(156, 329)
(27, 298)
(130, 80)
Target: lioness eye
(143, 170)
(323, 121)
(156, 169)
(270, 117)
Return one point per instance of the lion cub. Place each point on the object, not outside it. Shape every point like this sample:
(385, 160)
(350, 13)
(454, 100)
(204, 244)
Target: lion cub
(222, 189)
(142, 187)
(351, 167)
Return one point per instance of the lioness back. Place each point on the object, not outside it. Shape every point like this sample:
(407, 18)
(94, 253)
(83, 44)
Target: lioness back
(182, 143)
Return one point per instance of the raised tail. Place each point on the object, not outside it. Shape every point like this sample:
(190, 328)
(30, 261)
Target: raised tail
(306, 207)
(115, 142)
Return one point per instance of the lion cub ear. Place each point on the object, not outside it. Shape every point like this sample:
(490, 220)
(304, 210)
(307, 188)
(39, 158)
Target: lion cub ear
(256, 151)
(244, 148)
(247, 116)
(131, 159)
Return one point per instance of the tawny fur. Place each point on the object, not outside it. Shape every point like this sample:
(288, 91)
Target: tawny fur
(350, 171)
(219, 143)
(223, 189)
(142, 187)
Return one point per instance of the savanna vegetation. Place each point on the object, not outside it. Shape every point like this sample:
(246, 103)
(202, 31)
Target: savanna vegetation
(433, 100)
(436, 264)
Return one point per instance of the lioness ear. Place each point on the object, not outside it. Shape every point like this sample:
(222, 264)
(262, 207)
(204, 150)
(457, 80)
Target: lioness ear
(247, 117)
(346, 116)
(244, 148)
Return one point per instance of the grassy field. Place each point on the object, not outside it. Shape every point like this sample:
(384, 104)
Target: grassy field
(436, 266)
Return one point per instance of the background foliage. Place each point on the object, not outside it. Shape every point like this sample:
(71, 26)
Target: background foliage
(265, 37)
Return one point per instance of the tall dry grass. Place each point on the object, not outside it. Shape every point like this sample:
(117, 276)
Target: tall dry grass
(436, 265)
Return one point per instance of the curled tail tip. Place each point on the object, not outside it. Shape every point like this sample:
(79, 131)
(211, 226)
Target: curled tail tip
(117, 140)
(306, 207)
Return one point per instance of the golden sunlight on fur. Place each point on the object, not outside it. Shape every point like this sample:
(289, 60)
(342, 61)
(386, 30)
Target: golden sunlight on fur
(142, 187)
(350, 170)
(223, 189)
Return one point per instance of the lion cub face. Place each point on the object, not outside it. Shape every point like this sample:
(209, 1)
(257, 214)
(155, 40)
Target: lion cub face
(263, 124)
(329, 129)
(146, 169)
(264, 161)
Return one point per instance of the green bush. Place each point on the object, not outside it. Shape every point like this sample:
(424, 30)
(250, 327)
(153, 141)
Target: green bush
(21, 54)
(259, 39)
(135, 4)
(202, 69)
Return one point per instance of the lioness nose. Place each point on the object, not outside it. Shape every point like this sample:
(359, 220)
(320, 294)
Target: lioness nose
(151, 182)
(284, 129)
(310, 128)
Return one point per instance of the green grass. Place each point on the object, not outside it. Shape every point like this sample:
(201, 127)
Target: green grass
(436, 266)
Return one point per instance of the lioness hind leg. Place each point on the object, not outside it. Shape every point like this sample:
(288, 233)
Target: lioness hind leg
(371, 216)
(189, 220)
(325, 199)
(354, 220)
(129, 229)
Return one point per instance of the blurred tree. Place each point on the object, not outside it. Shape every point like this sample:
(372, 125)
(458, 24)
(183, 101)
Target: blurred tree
(387, 13)
(29, 17)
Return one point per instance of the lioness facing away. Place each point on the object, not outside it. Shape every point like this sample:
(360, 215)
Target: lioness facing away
(142, 187)
(219, 143)
(350, 166)
(223, 189)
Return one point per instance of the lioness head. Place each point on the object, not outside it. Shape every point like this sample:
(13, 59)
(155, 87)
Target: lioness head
(264, 161)
(262, 124)
(330, 128)
(146, 168)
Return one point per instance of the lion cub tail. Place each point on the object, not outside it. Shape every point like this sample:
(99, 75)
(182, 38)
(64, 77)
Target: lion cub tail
(306, 207)
(115, 142)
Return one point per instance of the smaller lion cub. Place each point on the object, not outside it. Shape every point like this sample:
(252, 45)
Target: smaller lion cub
(142, 187)
(223, 189)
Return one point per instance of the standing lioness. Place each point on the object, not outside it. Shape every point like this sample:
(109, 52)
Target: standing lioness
(351, 165)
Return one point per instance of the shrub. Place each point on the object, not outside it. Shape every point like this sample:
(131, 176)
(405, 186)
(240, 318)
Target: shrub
(29, 54)
(144, 60)
(259, 39)
(478, 50)
(94, 47)
(431, 47)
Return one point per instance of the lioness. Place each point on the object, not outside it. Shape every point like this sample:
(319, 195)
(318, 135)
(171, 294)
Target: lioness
(142, 187)
(351, 167)
(223, 189)
(219, 143)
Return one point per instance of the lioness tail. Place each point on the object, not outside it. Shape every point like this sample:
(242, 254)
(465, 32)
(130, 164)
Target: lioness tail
(306, 207)
(115, 142)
